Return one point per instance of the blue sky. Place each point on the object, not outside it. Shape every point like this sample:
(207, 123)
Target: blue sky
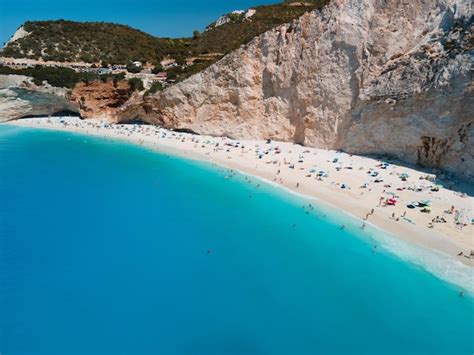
(164, 18)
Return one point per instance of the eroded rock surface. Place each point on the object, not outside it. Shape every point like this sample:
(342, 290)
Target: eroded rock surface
(19, 98)
(366, 76)
(101, 99)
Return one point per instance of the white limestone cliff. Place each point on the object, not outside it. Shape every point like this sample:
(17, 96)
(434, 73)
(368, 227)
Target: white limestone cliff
(20, 97)
(365, 76)
(19, 33)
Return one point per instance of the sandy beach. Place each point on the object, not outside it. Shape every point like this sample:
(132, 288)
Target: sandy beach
(402, 200)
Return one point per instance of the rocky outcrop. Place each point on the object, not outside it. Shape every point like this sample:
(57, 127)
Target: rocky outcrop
(240, 14)
(101, 99)
(19, 33)
(365, 76)
(19, 98)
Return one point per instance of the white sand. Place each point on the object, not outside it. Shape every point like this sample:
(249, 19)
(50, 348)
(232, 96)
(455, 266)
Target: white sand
(296, 167)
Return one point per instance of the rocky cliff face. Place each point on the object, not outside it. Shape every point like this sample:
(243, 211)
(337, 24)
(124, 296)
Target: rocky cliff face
(366, 76)
(100, 100)
(20, 97)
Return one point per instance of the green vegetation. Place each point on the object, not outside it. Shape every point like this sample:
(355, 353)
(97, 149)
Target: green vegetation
(232, 35)
(95, 42)
(131, 68)
(196, 35)
(136, 84)
(59, 77)
(155, 87)
(157, 69)
(180, 73)
(108, 44)
(90, 42)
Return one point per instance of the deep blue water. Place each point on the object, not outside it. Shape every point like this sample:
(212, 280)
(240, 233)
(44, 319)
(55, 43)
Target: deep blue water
(106, 247)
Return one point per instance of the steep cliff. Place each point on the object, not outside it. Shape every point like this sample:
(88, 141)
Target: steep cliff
(366, 76)
(101, 99)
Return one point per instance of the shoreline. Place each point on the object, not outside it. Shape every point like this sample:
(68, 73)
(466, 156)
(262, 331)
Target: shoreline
(295, 168)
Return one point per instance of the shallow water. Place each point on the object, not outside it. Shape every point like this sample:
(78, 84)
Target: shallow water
(108, 247)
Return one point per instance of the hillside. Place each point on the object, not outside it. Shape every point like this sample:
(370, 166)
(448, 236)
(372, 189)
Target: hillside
(90, 42)
(95, 42)
(241, 30)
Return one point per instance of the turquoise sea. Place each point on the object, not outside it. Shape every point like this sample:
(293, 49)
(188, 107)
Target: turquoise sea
(106, 247)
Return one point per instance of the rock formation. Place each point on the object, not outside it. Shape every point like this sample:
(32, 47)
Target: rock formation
(365, 76)
(20, 97)
(101, 100)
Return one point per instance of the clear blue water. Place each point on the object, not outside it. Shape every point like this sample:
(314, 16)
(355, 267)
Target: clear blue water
(109, 248)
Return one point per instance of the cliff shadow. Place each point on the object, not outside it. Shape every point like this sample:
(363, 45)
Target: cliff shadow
(443, 178)
(63, 113)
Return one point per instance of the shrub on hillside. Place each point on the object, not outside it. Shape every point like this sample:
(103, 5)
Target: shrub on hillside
(155, 87)
(157, 69)
(132, 68)
(58, 77)
(136, 84)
